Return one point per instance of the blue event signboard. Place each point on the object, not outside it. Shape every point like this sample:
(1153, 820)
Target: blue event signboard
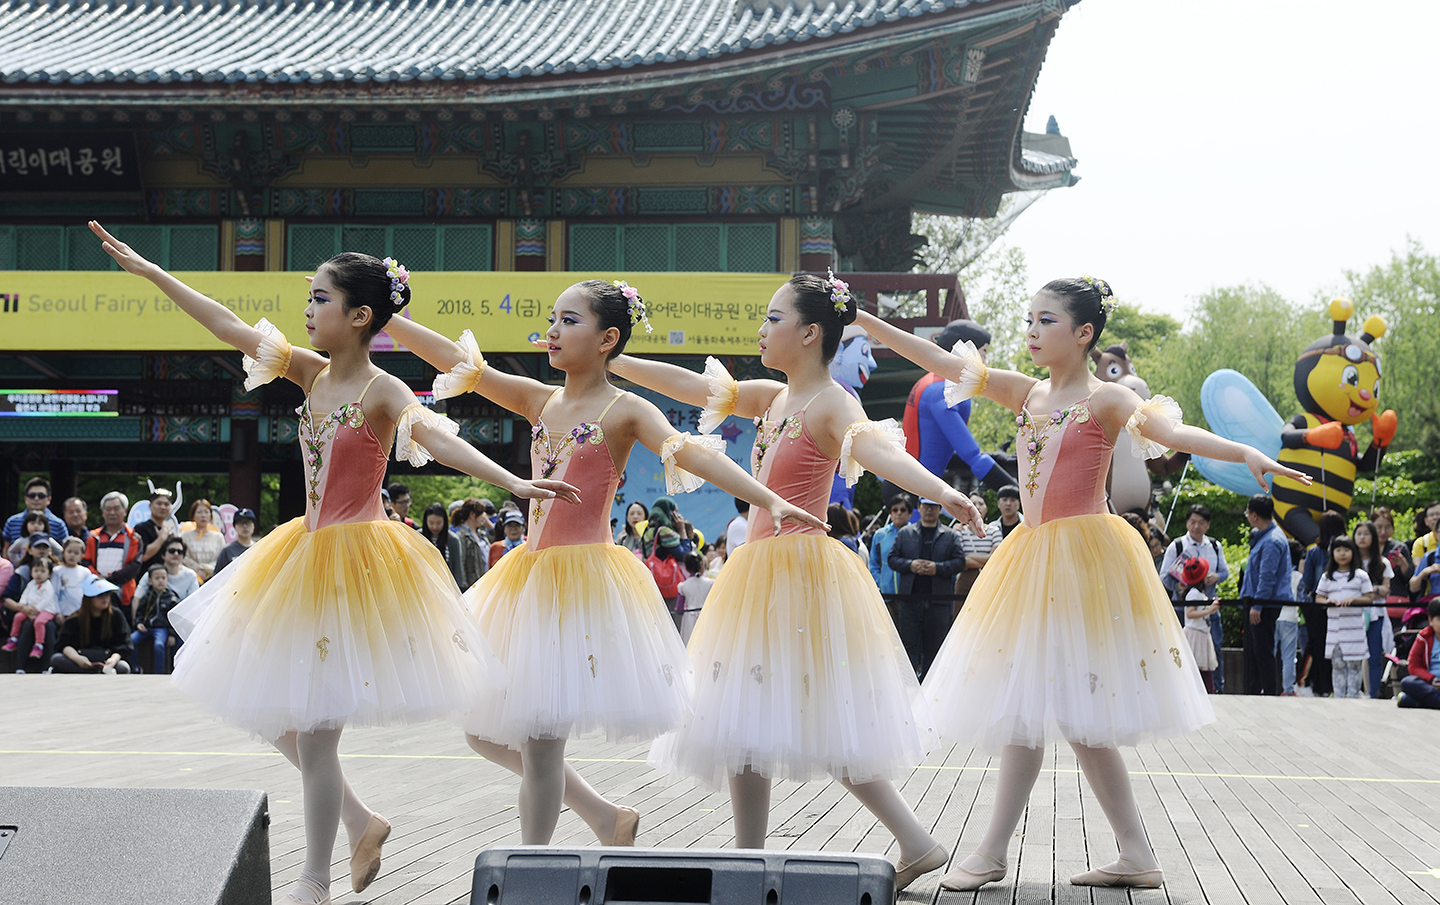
(710, 509)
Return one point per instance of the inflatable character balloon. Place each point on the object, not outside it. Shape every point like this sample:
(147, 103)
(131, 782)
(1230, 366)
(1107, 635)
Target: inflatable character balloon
(851, 368)
(1337, 380)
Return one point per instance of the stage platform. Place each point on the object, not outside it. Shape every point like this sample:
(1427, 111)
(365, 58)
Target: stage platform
(1293, 800)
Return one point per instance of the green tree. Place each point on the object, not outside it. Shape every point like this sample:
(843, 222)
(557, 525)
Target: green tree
(1147, 336)
(1406, 292)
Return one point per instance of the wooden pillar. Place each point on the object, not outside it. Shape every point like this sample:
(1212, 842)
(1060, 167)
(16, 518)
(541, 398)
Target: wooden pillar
(245, 463)
(555, 251)
(504, 245)
(292, 490)
(274, 244)
(62, 484)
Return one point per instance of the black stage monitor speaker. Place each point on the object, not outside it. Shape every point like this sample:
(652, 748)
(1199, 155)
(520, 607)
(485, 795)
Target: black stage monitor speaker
(535, 875)
(133, 846)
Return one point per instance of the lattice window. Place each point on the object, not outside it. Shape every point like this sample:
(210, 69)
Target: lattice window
(750, 247)
(193, 247)
(369, 240)
(39, 248)
(648, 248)
(7, 247)
(465, 248)
(85, 253)
(417, 247)
(595, 247)
(148, 241)
(698, 246)
(311, 245)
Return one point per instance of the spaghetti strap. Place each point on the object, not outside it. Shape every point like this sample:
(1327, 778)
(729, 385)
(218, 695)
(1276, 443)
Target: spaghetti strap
(367, 387)
(548, 399)
(611, 404)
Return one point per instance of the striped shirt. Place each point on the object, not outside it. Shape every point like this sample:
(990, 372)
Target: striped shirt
(1345, 629)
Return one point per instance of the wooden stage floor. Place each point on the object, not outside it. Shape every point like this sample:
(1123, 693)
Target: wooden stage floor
(1293, 800)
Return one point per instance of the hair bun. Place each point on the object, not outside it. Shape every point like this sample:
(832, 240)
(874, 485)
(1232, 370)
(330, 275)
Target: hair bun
(852, 310)
(404, 297)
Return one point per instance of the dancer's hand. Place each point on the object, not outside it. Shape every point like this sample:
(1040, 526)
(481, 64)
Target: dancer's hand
(1261, 465)
(783, 510)
(123, 254)
(964, 511)
(546, 489)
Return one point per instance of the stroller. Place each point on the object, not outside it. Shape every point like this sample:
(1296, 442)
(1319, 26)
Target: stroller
(1412, 621)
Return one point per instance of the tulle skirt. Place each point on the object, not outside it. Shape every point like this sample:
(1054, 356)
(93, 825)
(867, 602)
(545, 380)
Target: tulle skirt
(799, 672)
(353, 624)
(1067, 634)
(588, 644)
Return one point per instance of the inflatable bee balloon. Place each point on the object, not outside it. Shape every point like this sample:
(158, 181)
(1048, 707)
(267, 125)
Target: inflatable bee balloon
(1337, 380)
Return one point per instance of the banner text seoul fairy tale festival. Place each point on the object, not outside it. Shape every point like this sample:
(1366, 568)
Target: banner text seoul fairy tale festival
(692, 313)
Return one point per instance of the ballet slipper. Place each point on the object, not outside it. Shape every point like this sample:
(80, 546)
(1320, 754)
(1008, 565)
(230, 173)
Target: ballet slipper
(907, 872)
(1142, 879)
(627, 824)
(365, 854)
(961, 880)
(317, 894)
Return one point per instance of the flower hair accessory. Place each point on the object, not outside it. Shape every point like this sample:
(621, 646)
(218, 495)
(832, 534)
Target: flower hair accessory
(1108, 302)
(839, 291)
(634, 304)
(398, 275)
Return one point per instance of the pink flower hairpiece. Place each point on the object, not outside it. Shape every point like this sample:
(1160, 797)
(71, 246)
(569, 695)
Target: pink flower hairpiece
(634, 304)
(398, 275)
(839, 291)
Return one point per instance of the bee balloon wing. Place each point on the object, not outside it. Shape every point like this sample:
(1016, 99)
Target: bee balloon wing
(1237, 411)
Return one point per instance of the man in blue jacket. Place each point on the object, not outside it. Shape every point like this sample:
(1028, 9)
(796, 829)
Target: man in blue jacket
(1267, 577)
(884, 539)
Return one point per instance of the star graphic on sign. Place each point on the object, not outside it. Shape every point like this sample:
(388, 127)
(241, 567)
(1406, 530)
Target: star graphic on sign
(730, 432)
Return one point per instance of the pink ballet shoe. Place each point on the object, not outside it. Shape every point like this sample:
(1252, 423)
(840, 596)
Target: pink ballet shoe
(627, 824)
(315, 894)
(365, 854)
(907, 872)
(961, 880)
(1139, 879)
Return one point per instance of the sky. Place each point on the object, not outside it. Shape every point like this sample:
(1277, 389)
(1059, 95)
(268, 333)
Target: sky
(1237, 141)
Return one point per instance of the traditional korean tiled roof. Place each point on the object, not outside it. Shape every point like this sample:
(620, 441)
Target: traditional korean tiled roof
(140, 42)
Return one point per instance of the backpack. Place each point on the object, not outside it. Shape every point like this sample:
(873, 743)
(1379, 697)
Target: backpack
(668, 573)
(1177, 595)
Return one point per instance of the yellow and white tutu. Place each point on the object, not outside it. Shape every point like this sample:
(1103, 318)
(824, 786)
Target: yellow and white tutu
(585, 633)
(799, 672)
(1067, 634)
(351, 624)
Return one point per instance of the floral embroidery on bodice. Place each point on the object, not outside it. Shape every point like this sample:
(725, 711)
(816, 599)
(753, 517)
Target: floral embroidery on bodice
(1069, 458)
(582, 458)
(344, 436)
(786, 459)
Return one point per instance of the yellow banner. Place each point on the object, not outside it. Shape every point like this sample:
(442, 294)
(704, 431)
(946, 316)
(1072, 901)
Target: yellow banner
(102, 311)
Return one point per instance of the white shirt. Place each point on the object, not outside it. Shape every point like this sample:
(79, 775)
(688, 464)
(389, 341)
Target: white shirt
(1345, 629)
(41, 596)
(735, 534)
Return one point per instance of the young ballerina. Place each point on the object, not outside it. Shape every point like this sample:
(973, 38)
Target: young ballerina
(801, 672)
(342, 617)
(1068, 633)
(577, 619)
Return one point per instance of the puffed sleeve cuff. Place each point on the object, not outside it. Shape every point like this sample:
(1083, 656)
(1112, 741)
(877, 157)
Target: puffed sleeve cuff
(464, 376)
(888, 429)
(1154, 407)
(405, 446)
(974, 376)
(271, 360)
(677, 479)
(724, 392)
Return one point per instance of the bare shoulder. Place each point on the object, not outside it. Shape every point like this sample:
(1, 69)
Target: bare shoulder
(1113, 403)
(388, 396)
(832, 412)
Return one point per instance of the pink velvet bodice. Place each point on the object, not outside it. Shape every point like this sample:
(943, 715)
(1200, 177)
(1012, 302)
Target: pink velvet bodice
(786, 459)
(1065, 457)
(582, 458)
(350, 492)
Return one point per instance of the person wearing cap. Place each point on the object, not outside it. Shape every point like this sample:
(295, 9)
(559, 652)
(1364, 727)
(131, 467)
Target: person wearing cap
(37, 499)
(1007, 500)
(244, 522)
(1199, 607)
(513, 524)
(927, 556)
(935, 430)
(156, 530)
(666, 566)
(114, 550)
(97, 638)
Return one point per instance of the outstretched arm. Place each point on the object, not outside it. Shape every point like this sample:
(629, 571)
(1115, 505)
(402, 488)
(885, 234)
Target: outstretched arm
(521, 395)
(880, 456)
(449, 449)
(652, 430)
(1009, 388)
(691, 387)
(210, 314)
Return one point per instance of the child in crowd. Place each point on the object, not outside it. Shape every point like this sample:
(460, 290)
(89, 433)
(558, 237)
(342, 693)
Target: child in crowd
(152, 617)
(1421, 688)
(38, 599)
(693, 592)
(1345, 587)
(70, 576)
(1198, 608)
